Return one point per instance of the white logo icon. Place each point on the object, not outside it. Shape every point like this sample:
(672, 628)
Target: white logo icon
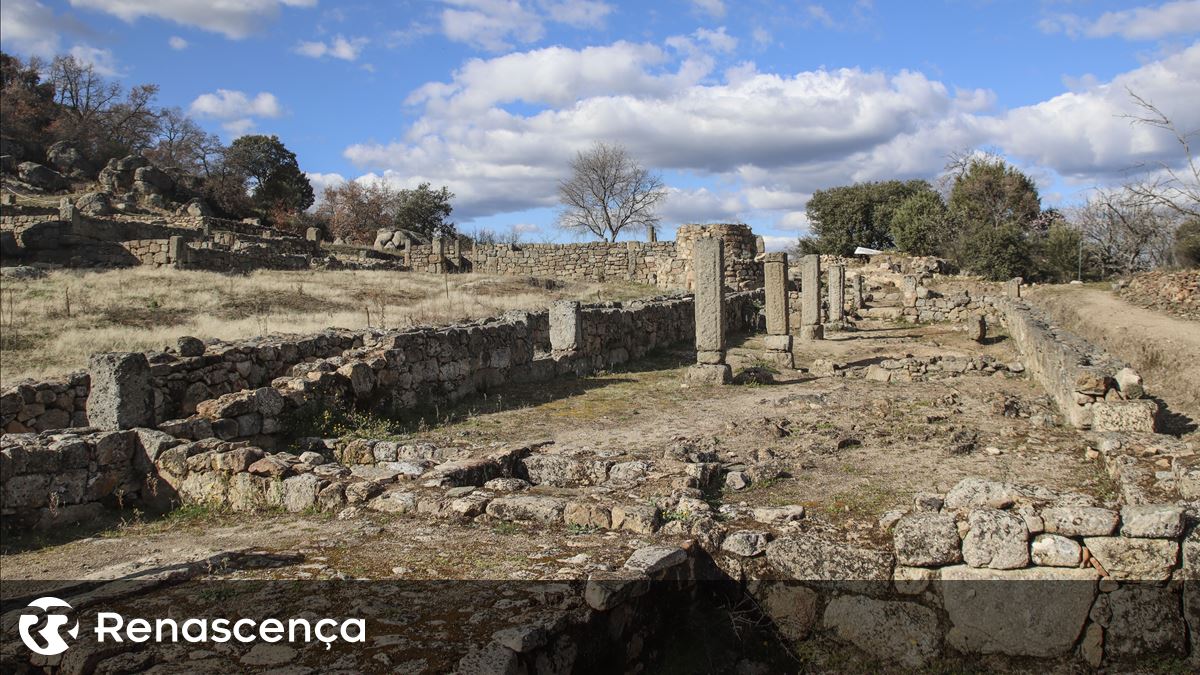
(50, 633)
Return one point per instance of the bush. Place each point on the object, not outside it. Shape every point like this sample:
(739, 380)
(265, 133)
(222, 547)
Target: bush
(1187, 244)
(997, 253)
(920, 225)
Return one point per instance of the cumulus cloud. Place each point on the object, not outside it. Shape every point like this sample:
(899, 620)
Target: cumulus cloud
(233, 19)
(764, 141)
(578, 13)
(1140, 23)
(31, 27)
(102, 60)
(338, 48)
(235, 109)
(177, 43)
(491, 25)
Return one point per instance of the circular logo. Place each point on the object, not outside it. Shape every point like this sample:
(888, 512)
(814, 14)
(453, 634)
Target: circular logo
(51, 642)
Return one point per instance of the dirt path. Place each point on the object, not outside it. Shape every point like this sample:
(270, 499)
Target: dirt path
(1161, 348)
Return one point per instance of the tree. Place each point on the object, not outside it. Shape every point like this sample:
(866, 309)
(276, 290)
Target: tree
(921, 224)
(93, 115)
(426, 211)
(271, 173)
(607, 192)
(1175, 189)
(26, 101)
(182, 144)
(1124, 229)
(997, 211)
(1059, 253)
(849, 216)
(1187, 243)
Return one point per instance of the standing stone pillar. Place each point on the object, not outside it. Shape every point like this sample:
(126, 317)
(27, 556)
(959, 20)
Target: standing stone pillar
(653, 234)
(709, 303)
(1012, 288)
(439, 255)
(566, 326)
(778, 342)
(810, 299)
(68, 213)
(837, 296)
(908, 292)
(313, 234)
(121, 396)
(856, 292)
(177, 252)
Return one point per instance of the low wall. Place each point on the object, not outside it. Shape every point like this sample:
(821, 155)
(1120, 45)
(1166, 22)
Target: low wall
(423, 367)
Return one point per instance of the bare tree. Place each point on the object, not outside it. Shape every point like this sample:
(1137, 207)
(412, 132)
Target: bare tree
(608, 191)
(1174, 189)
(1125, 232)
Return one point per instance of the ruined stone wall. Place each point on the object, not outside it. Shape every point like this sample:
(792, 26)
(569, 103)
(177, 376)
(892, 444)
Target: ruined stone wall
(1093, 389)
(741, 248)
(427, 366)
(150, 252)
(179, 382)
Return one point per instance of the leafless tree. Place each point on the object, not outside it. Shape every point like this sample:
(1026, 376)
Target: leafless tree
(182, 144)
(608, 191)
(95, 114)
(1175, 189)
(1125, 232)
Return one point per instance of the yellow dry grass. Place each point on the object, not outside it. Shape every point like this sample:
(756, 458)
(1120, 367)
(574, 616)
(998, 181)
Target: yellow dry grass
(49, 326)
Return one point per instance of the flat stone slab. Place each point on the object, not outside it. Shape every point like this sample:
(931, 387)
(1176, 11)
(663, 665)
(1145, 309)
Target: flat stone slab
(812, 559)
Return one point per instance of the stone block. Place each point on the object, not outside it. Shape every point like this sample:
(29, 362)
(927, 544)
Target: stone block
(776, 292)
(1136, 415)
(709, 373)
(810, 299)
(709, 302)
(837, 294)
(121, 396)
(566, 326)
(778, 343)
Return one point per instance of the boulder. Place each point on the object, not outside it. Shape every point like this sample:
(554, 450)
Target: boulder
(1038, 611)
(997, 539)
(896, 632)
(1128, 559)
(927, 539)
(42, 177)
(1152, 521)
(69, 161)
(150, 180)
(95, 204)
(197, 207)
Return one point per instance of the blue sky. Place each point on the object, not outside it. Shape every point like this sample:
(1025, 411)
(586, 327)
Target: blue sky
(746, 108)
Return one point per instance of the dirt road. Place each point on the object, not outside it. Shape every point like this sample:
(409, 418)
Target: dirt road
(1163, 349)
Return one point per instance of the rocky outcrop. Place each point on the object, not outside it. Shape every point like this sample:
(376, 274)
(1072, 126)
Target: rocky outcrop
(42, 177)
(70, 161)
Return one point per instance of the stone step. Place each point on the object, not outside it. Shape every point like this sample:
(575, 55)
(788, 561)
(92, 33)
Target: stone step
(892, 313)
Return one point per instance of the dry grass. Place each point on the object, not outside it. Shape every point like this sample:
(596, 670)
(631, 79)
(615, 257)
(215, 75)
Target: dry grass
(49, 326)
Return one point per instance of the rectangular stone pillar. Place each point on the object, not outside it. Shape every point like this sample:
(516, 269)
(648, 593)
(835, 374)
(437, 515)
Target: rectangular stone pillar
(708, 262)
(908, 292)
(810, 298)
(439, 255)
(566, 326)
(837, 295)
(68, 213)
(1012, 288)
(177, 252)
(856, 291)
(778, 341)
(121, 396)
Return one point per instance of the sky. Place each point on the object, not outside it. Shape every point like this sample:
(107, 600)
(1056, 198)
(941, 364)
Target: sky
(746, 108)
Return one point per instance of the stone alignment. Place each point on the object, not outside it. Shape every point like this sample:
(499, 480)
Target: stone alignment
(566, 328)
(708, 264)
(810, 299)
(121, 396)
(837, 296)
(778, 341)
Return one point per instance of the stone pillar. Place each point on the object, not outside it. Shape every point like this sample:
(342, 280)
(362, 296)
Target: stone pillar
(456, 250)
(778, 341)
(837, 295)
(439, 255)
(908, 292)
(313, 234)
(177, 252)
(856, 291)
(709, 302)
(653, 234)
(810, 299)
(121, 396)
(1012, 288)
(68, 213)
(566, 326)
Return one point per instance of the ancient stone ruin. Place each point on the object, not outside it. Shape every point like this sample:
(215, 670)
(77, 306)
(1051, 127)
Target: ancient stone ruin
(1072, 553)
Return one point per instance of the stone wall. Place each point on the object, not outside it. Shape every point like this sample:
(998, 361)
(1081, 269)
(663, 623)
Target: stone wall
(665, 264)
(150, 252)
(1093, 389)
(427, 366)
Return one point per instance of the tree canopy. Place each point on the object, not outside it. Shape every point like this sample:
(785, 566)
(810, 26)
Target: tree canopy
(608, 192)
(849, 216)
(272, 174)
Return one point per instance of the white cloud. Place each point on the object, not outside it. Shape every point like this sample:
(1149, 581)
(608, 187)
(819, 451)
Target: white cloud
(820, 15)
(491, 25)
(338, 48)
(578, 13)
(320, 181)
(776, 244)
(236, 110)
(177, 43)
(761, 37)
(762, 141)
(232, 18)
(29, 26)
(714, 8)
(102, 60)
(1139, 23)
(526, 228)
